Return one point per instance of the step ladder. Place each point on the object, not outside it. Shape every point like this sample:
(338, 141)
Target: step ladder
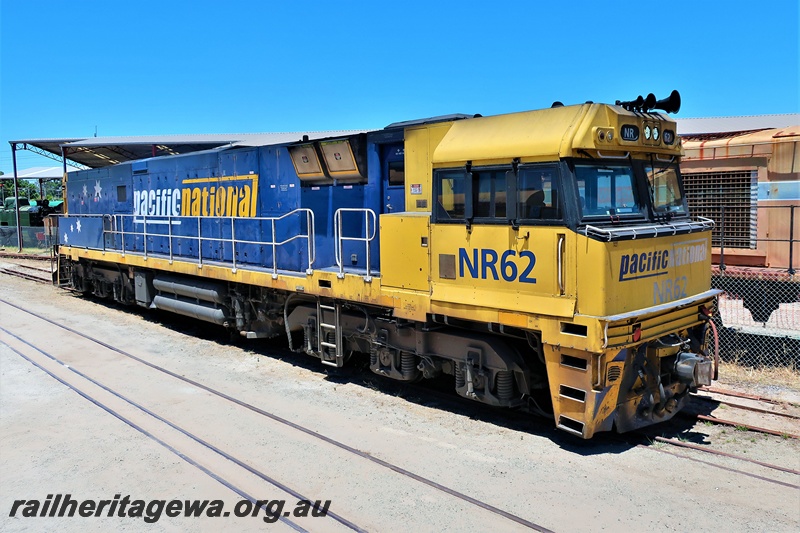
(328, 322)
(63, 273)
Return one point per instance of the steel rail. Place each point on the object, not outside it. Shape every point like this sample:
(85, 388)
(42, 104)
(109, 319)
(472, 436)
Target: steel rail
(148, 434)
(691, 446)
(678, 443)
(34, 268)
(736, 394)
(38, 269)
(12, 255)
(174, 426)
(255, 409)
(515, 415)
(508, 415)
(23, 275)
(746, 407)
(298, 427)
(757, 429)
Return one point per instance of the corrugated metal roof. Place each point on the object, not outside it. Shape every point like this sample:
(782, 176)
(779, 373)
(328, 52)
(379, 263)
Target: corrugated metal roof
(771, 136)
(97, 152)
(701, 126)
(217, 139)
(35, 173)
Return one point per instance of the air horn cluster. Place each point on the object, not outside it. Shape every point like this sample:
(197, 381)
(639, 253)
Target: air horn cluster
(671, 104)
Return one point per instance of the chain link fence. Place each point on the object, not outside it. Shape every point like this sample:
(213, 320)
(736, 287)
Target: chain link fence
(758, 318)
(33, 237)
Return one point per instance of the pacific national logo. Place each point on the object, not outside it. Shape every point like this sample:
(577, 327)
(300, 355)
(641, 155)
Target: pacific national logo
(644, 265)
(658, 262)
(231, 196)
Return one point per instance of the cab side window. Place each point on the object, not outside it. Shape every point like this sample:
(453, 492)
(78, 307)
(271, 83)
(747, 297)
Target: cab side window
(451, 195)
(489, 193)
(498, 195)
(538, 193)
(397, 173)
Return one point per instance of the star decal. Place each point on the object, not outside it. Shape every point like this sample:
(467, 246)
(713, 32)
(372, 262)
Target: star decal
(66, 239)
(71, 228)
(85, 190)
(78, 225)
(97, 189)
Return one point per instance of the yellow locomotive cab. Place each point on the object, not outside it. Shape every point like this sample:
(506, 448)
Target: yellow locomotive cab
(612, 298)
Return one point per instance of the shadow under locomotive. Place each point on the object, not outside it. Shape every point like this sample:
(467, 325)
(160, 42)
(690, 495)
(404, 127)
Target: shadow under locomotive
(435, 393)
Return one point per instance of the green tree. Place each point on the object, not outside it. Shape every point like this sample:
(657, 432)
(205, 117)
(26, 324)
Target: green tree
(27, 189)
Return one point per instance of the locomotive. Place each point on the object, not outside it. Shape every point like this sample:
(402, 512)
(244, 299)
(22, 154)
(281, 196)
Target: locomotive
(33, 215)
(543, 259)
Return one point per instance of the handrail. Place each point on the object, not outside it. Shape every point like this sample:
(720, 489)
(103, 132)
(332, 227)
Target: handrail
(118, 228)
(634, 231)
(626, 155)
(369, 214)
(561, 239)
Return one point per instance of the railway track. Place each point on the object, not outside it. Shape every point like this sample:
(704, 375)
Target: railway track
(518, 419)
(25, 275)
(737, 394)
(28, 272)
(642, 440)
(183, 452)
(749, 407)
(674, 442)
(32, 257)
(294, 426)
(782, 420)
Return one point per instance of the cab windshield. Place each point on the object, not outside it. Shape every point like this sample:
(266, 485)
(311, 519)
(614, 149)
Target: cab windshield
(607, 191)
(665, 191)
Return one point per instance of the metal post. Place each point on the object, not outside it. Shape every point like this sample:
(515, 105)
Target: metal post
(366, 242)
(64, 178)
(16, 197)
(310, 240)
(791, 240)
(337, 235)
(722, 240)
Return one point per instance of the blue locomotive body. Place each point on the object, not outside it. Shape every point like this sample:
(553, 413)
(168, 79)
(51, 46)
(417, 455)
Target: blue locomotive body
(232, 204)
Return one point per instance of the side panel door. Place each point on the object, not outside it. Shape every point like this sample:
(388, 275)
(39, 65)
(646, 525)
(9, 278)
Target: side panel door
(393, 178)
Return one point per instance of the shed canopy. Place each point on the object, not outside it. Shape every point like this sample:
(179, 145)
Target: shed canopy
(37, 173)
(94, 152)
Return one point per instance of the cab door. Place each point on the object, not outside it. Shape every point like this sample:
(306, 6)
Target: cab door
(393, 180)
(498, 240)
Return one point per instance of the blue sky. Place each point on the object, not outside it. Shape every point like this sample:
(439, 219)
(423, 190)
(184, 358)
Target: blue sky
(152, 67)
